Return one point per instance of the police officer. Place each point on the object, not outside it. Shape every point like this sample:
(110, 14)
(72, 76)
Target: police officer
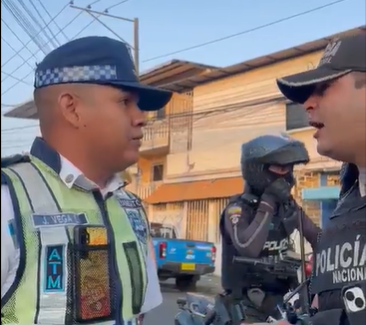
(75, 245)
(334, 97)
(257, 225)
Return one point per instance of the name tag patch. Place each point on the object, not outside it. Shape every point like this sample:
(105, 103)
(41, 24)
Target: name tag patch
(59, 219)
(55, 269)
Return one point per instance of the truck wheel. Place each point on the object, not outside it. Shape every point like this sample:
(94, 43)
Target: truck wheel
(186, 282)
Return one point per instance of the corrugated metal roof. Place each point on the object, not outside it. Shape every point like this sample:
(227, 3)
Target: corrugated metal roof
(165, 75)
(199, 190)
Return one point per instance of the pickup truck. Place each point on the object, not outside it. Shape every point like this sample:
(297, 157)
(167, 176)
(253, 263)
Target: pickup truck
(184, 260)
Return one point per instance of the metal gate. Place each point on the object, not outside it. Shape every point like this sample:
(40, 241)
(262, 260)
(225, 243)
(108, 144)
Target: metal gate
(219, 206)
(197, 220)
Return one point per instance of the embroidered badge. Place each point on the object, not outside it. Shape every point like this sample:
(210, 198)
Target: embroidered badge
(128, 201)
(138, 224)
(234, 214)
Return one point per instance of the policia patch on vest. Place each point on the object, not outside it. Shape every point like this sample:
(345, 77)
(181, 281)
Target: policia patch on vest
(339, 264)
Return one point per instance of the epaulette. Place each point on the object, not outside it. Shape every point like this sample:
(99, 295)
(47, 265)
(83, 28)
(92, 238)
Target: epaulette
(15, 159)
(249, 198)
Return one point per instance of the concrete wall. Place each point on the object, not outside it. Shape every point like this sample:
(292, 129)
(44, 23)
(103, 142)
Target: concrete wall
(317, 162)
(231, 111)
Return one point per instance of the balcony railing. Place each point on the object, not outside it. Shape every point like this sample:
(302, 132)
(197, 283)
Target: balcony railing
(156, 137)
(144, 190)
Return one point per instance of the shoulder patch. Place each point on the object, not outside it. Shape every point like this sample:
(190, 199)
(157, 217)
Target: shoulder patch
(12, 160)
(233, 212)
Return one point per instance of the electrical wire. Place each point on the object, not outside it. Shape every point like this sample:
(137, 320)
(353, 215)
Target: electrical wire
(15, 78)
(248, 31)
(115, 5)
(25, 24)
(47, 30)
(200, 114)
(14, 50)
(27, 75)
(52, 19)
(25, 46)
(61, 31)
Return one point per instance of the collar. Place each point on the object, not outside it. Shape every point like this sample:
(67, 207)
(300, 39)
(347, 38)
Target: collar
(348, 176)
(67, 171)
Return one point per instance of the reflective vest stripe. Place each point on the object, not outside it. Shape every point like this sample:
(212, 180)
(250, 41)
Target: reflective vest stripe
(52, 254)
(13, 311)
(135, 290)
(137, 280)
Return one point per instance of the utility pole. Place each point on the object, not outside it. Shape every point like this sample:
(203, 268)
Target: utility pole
(135, 47)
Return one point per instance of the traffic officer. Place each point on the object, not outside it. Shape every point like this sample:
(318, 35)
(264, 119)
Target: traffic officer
(75, 244)
(334, 95)
(257, 224)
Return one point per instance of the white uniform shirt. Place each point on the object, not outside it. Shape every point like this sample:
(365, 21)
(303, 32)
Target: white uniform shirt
(10, 254)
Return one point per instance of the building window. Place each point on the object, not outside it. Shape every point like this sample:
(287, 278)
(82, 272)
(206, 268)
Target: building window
(296, 117)
(160, 114)
(157, 173)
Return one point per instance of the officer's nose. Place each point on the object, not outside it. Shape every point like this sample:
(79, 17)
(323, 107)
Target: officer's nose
(311, 103)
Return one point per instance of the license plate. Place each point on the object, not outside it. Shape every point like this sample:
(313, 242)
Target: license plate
(188, 266)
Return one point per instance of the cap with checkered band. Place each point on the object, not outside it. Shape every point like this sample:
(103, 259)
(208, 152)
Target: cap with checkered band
(340, 57)
(98, 60)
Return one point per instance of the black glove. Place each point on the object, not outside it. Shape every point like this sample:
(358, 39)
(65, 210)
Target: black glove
(290, 215)
(280, 190)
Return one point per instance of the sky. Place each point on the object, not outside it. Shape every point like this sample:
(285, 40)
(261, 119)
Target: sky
(167, 27)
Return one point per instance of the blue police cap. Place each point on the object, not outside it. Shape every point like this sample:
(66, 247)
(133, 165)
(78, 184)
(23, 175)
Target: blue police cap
(98, 60)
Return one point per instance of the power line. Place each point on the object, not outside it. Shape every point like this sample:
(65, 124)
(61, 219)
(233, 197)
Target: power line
(52, 19)
(117, 4)
(217, 40)
(13, 49)
(61, 31)
(31, 40)
(27, 75)
(195, 115)
(53, 39)
(17, 79)
(24, 23)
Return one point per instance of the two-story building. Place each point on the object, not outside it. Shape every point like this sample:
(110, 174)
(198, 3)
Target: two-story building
(230, 106)
(189, 163)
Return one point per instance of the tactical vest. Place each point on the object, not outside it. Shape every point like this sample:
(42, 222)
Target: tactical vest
(340, 256)
(60, 281)
(247, 276)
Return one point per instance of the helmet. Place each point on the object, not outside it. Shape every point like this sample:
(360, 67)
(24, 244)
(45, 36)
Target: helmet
(261, 152)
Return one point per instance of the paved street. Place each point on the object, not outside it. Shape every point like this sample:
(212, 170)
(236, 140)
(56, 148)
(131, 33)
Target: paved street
(164, 314)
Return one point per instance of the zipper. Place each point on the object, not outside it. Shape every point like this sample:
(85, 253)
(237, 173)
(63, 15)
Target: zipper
(114, 268)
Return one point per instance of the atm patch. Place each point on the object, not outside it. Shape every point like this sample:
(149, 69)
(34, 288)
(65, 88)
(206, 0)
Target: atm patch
(54, 280)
